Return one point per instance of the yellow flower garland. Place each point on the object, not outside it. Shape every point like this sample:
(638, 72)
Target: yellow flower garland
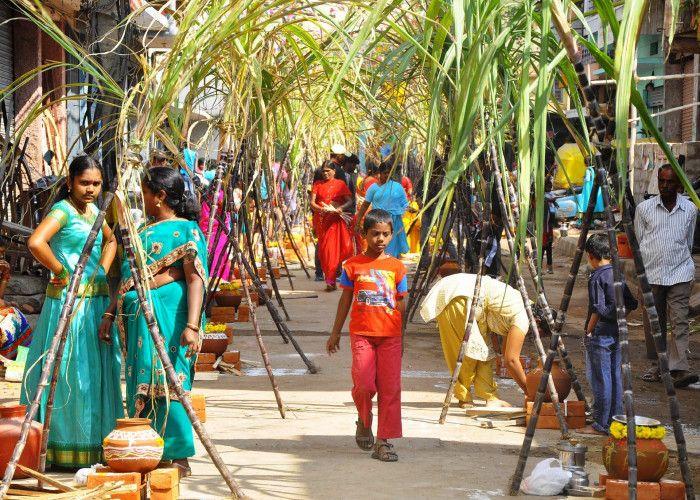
(618, 430)
(215, 327)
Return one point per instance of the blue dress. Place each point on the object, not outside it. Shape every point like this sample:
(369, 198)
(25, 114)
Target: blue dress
(391, 197)
(88, 393)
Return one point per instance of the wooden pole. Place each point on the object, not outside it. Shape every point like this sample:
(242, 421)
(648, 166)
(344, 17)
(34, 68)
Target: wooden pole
(52, 356)
(157, 339)
(473, 306)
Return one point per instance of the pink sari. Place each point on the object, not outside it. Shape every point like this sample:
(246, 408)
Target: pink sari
(216, 245)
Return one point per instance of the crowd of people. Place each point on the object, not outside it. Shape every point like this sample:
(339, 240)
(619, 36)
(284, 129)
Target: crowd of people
(360, 222)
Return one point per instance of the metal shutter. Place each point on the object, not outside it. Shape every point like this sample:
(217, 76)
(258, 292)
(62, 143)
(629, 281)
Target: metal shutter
(6, 59)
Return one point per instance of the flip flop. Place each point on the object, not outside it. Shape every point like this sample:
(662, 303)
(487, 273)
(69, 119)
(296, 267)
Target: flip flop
(683, 379)
(652, 375)
(384, 452)
(364, 440)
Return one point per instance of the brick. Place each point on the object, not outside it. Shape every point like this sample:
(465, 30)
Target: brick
(551, 422)
(232, 357)
(617, 489)
(200, 406)
(98, 478)
(276, 273)
(243, 313)
(602, 479)
(204, 367)
(130, 492)
(164, 478)
(672, 490)
(221, 314)
(571, 408)
(206, 358)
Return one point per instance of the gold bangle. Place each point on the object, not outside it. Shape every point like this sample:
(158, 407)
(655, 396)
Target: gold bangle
(108, 315)
(193, 327)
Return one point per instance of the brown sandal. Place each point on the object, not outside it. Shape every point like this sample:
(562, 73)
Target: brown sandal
(384, 452)
(363, 436)
(183, 467)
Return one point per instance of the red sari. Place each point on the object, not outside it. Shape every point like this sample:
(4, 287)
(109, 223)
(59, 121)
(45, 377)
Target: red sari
(335, 243)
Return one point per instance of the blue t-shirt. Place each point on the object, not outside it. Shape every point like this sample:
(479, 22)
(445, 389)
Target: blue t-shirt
(601, 300)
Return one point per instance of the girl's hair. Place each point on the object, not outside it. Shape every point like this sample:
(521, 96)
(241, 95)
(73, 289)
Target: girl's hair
(598, 246)
(176, 197)
(387, 165)
(377, 216)
(328, 164)
(79, 165)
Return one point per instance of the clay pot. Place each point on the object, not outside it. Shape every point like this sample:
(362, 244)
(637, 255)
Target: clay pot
(448, 268)
(214, 342)
(228, 298)
(11, 418)
(133, 446)
(562, 382)
(652, 459)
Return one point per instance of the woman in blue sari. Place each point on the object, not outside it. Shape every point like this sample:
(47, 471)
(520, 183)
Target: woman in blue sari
(88, 394)
(390, 196)
(176, 259)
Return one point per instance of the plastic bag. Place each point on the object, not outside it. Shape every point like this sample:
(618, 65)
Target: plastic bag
(547, 478)
(80, 477)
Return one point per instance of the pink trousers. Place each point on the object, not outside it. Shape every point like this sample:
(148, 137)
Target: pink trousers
(376, 369)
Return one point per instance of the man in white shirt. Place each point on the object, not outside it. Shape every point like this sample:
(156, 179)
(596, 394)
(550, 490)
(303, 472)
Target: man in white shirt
(665, 225)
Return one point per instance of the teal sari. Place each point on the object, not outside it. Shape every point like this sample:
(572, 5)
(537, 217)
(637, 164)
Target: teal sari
(88, 393)
(167, 244)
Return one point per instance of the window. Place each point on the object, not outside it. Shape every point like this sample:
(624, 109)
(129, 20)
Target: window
(653, 48)
(594, 37)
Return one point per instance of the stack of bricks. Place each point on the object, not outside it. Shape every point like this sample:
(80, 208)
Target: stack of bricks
(159, 484)
(666, 489)
(220, 314)
(574, 412)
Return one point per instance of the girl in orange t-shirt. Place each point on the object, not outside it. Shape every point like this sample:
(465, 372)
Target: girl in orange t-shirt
(374, 285)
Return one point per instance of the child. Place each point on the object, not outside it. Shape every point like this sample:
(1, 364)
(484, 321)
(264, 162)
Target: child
(602, 342)
(14, 327)
(374, 284)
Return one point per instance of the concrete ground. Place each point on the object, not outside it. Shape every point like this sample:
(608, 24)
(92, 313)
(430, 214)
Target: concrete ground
(312, 453)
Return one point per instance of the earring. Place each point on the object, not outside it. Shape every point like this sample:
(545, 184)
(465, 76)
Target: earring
(158, 204)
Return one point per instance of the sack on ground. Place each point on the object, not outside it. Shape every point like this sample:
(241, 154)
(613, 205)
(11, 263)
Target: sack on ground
(547, 478)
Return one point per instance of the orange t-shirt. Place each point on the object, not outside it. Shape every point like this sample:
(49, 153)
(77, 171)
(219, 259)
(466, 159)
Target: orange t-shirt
(376, 286)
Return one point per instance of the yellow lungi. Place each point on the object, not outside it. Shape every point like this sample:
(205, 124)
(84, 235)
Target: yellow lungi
(451, 323)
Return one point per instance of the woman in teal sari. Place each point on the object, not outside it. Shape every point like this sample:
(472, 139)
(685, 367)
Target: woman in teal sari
(88, 395)
(176, 258)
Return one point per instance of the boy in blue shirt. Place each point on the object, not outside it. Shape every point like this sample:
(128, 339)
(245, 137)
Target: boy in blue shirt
(602, 337)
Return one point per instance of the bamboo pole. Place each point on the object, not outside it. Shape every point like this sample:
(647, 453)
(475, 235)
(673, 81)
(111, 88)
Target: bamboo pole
(258, 335)
(64, 323)
(509, 226)
(473, 306)
(53, 356)
(157, 339)
(620, 312)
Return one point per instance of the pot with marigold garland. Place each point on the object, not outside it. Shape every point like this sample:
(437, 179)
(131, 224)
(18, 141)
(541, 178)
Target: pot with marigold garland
(652, 453)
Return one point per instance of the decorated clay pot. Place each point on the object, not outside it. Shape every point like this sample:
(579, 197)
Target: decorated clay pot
(133, 446)
(228, 298)
(652, 459)
(562, 382)
(11, 418)
(214, 342)
(448, 268)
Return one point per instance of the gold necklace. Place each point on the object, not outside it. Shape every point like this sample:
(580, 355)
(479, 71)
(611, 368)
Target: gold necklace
(70, 200)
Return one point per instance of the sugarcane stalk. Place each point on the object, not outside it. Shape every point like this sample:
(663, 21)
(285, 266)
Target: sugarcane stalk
(64, 319)
(534, 416)
(258, 335)
(473, 306)
(173, 380)
(542, 299)
(215, 198)
(621, 314)
(510, 231)
(266, 257)
(280, 248)
(655, 326)
(53, 356)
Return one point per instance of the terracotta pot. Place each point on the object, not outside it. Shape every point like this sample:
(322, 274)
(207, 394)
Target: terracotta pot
(133, 446)
(448, 268)
(214, 342)
(228, 298)
(652, 459)
(11, 418)
(562, 382)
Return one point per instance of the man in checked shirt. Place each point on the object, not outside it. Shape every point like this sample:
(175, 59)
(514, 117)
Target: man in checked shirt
(665, 225)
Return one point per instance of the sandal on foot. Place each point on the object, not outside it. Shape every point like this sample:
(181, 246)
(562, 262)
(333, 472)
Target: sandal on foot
(384, 452)
(652, 375)
(183, 468)
(363, 436)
